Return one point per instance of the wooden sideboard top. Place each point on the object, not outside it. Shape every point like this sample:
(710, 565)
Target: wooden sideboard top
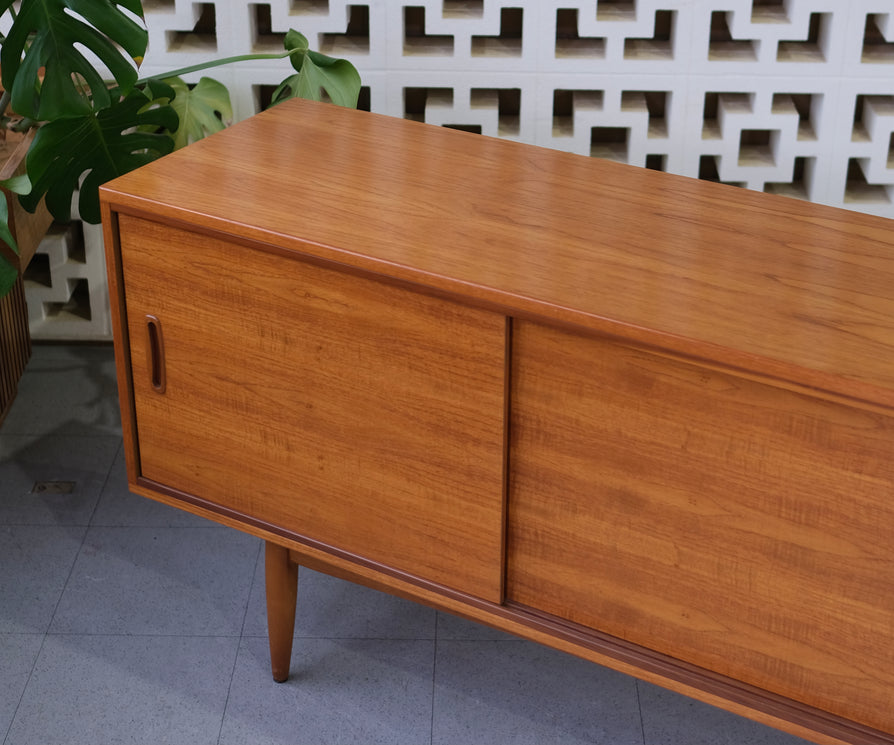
(776, 287)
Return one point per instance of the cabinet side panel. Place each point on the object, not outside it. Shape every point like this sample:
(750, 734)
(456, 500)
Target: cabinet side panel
(730, 524)
(354, 413)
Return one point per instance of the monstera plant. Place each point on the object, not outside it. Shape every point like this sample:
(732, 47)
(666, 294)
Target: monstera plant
(70, 69)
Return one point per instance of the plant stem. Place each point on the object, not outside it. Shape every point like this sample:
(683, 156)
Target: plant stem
(23, 125)
(223, 61)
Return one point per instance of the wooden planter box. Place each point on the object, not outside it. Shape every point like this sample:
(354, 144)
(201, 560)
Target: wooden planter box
(15, 344)
(28, 229)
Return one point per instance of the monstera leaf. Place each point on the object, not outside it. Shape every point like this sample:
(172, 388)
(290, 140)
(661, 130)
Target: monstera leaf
(317, 73)
(203, 109)
(96, 147)
(8, 271)
(46, 37)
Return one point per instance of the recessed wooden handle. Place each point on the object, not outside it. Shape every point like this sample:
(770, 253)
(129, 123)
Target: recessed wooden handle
(156, 354)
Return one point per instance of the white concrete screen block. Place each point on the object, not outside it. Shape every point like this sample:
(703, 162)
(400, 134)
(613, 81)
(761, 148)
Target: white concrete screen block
(793, 97)
(785, 96)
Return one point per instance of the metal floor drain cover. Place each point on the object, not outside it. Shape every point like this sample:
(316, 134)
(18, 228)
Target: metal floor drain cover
(53, 487)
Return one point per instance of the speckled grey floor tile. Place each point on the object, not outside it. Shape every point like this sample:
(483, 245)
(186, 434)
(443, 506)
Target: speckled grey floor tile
(25, 460)
(18, 653)
(456, 628)
(672, 719)
(143, 690)
(333, 608)
(159, 581)
(363, 691)
(36, 562)
(67, 390)
(118, 507)
(518, 692)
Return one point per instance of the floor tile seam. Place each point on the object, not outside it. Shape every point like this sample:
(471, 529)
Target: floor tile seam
(213, 526)
(15, 712)
(43, 434)
(311, 637)
(107, 527)
(68, 576)
(639, 708)
(44, 525)
(223, 713)
(140, 635)
(105, 482)
(251, 587)
(434, 678)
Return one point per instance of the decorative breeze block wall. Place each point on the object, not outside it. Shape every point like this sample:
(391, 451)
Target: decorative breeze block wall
(793, 97)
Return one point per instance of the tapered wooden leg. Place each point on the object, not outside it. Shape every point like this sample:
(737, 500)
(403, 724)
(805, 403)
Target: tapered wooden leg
(282, 594)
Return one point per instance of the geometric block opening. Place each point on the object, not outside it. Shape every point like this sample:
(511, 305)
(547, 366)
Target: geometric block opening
(309, 7)
(652, 102)
(158, 5)
(566, 103)
(768, 11)
(416, 100)
(355, 39)
(660, 45)
(709, 170)
(799, 186)
(879, 105)
(262, 34)
(263, 97)
(656, 162)
(463, 9)
(731, 103)
(508, 104)
(809, 50)
(569, 42)
(609, 143)
(860, 132)
(68, 246)
(201, 37)
(77, 248)
(804, 104)
(417, 42)
(38, 271)
(508, 43)
(364, 99)
(757, 147)
(615, 10)
(473, 128)
(876, 48)
(77, 307)
(858, 190)
(722, 46)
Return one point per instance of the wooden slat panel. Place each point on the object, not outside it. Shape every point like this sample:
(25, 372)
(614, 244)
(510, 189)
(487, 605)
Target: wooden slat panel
(354, 413)
(15, 344)
(733, 525)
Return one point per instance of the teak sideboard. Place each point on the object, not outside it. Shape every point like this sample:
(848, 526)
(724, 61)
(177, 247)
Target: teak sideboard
(641, 418)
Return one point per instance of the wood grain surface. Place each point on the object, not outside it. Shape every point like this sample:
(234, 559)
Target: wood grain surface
(787, 289)
(354, 413)
(739, 527)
